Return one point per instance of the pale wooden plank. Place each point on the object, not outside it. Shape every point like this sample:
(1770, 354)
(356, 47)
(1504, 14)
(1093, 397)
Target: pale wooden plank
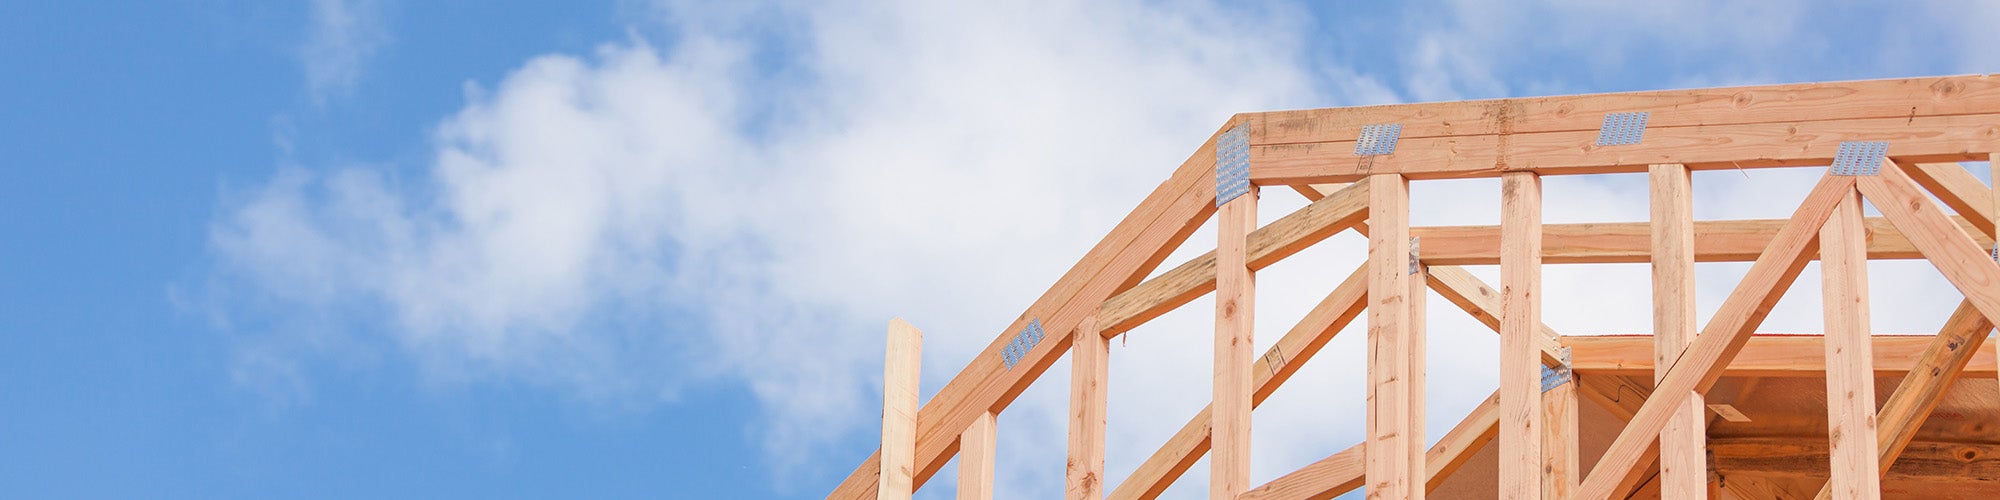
(1301, 343)
(1765, 356)
(1342, 472)
(1850, 380)
(1283, 237)
(1703, 361)
(1761, 145)
(901, 365)
(1932, 462)
(1235, 289)
(976, 450)
(1963, 263)
(1942, 362)
(1560, 467)
(1520, 328)
(1482, 302)
(1897, 98)
(1630, 242)
(1683, 461)
(1958, 189)
(1391, 397)
(1090, 361)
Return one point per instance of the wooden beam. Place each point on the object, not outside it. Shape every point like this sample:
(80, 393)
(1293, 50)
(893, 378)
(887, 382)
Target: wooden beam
(1941, 363)
(1127, 254)
(1931, 462)
(1630, 242)
(1393, 462)
(1342, 472)
(1283, 359)
(1954, 253)
(1850, 378)
(1683, 461)
(1707, 147)
(1090, 361)
(1958, 189)
(1560, 467)
(1235, 288)
(1282, 238)
(901, 365)
(1898, 98)
(1520, 328)
(1702, 363)
(1764, 356)
(976, 448)
(1482, 302)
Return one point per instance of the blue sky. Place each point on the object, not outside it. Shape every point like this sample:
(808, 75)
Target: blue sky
(373, 248)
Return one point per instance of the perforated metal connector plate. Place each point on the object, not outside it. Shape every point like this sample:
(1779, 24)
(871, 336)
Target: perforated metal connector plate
(1415, 265)
(1859, 158)
(1553, 377)
(1232, 164)
(1378, 139)
(1622, 128)
(1023, 342)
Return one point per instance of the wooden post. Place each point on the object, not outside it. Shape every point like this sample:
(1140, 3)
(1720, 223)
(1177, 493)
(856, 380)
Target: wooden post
(1850, 368)
(1089, 368)
(1683, 443)
(1395, 460)
(975, 458)
(900, 371)
(1520, 328)
(1560, 466)
(1235, 285)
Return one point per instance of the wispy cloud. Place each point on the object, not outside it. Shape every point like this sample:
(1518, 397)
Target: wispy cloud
(342, 36)
(748, 200)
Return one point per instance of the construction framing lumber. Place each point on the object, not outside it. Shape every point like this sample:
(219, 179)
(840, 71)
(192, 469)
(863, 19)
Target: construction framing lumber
(1850, 378)
(900, 367)
(1703, 361)
(1393, 400)
(976, 451)
(1788, 355)
(1090, 362)
(1235, 298)
(1520, 329)
(1943, 361)
(1683, 454)
(1333, 313)
(1655, 384)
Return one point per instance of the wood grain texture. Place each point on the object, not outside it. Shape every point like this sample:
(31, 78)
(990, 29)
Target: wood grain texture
(1090, 362)
(1333, 313)
(977, 447)
(1958, 189)
(1704, 360)
(1807, 457)
(901, 364)
(1962, 261)
(1766, 356)
(1850, 376)
(1520, 330)
(1630, 242)
(1944, 359)
(1235, 298)
(1393, 462)
(1342, 472)
(1267, 245)
(1683, 458)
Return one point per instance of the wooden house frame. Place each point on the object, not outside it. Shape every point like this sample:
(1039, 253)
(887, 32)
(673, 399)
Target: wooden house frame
(1356, 165)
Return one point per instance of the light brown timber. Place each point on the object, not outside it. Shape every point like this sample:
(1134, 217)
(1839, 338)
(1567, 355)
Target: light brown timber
(901, 363)
(1235, 288)
(1391, 464)
(976, 450)
(1090, 361)
(1850, 378)
(1520, 328)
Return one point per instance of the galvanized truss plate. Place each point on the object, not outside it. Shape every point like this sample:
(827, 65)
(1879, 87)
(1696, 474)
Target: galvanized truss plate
(1232, 164)
(1378, 139)
(1553, 377)
(1415, 265)
(1622, 128)
(1859, 158)
(1023, 342)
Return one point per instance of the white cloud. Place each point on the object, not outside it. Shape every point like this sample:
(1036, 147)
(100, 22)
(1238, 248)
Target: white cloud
(342, 36)
(750, 200)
